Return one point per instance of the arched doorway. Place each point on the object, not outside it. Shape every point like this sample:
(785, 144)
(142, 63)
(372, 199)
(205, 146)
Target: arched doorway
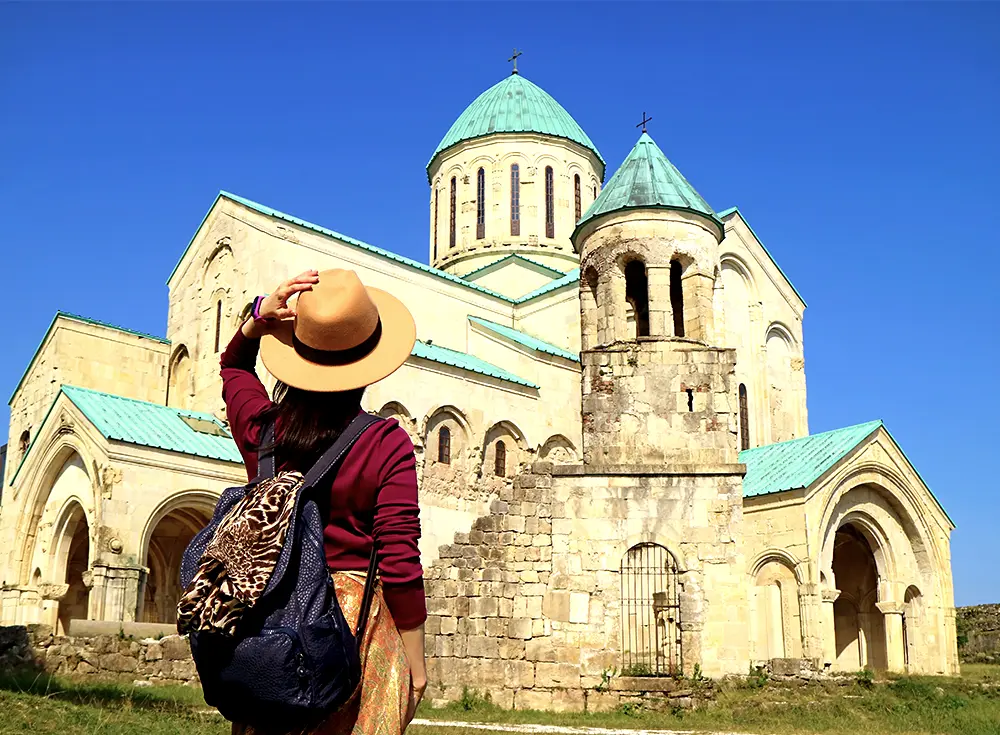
(167, 542)
(775, 617)
(859, 626)
(651, 612)
(73, 547)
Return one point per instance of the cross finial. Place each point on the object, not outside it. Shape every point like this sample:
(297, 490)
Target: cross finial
(644, 121)
(514, 59)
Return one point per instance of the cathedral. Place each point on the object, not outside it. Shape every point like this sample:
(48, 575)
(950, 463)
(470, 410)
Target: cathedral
(608, 403)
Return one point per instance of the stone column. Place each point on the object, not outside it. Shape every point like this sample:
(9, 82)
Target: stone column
(829, 631)
(114, 592)
(892, 613)
(810, 604)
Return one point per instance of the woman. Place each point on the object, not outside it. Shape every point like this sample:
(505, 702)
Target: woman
(338, 338)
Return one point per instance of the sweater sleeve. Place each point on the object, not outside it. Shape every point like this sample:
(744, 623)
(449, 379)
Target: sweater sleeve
(244, 394)
(397, 532)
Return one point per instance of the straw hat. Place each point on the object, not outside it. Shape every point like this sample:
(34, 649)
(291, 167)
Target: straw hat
(344, 336)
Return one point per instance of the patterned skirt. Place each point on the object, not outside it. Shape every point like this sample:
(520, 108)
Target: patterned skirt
(379, 705)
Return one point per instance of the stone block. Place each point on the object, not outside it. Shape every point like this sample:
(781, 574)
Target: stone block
(175, 648)
(579, 607)
(154, 652)
(118, 662)
(572, 700)
(483, 647)
(533, 699)
(602, 701)
(519, 628)
(557, 675)
(519, 674)
(556, 605)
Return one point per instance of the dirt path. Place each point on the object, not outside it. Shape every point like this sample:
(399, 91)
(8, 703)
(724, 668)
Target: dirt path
(557, 729)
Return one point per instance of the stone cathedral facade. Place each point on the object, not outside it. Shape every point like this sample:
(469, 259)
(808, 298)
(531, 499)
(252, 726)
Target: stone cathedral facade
(608, 402)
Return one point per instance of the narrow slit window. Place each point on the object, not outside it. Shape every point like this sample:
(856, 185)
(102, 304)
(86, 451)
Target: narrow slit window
(218, 323)
(576, 197)
(444, 445)
(436, 191)
(637, 295)
(500, 460)
(24, 442)
(515, 200)
(690, 394)
(744, 418)
(595, 191)
(451, 225)
(481, 204)
(677, 297)
(550, 207)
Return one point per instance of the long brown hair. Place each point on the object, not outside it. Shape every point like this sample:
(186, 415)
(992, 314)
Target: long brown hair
(308, 422)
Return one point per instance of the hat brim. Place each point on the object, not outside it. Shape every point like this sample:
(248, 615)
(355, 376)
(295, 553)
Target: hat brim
(399, 333)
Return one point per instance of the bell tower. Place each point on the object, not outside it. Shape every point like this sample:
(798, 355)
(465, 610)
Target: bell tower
(655, 389)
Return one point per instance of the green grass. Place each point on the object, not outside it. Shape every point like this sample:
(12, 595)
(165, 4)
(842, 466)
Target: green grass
(970, 705)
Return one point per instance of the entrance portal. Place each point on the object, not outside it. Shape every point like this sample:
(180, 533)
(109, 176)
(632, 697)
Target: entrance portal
(74, 603)
(859, 626)
(166, 547)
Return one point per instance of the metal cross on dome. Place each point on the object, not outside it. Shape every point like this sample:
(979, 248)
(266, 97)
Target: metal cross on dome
(514, 59)
(644, 121)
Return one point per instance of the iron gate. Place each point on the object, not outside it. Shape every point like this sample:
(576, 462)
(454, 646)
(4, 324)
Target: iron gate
(651, 613)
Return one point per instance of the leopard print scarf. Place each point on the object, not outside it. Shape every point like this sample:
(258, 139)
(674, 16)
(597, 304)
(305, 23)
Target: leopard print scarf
(240, 559)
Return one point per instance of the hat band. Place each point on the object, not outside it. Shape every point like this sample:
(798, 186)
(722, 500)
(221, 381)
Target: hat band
(338, 357)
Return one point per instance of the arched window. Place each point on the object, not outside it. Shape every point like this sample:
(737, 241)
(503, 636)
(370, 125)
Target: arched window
(515, 200)
(595, 191)
(481, 204)
(500, 460)
(24, 442)
(588, 307)
(576, 196)
(444, 445)
(451, 226)
(651, 612)
(677, 297)
(550, 205)
(744, 419)
(637, 295)
(435, 223)
(218, 323)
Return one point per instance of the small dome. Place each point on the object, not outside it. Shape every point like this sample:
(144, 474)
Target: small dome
(648, 180)
(514, 105)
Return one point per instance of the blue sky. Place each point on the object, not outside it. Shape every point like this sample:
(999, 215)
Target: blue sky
(859, 140)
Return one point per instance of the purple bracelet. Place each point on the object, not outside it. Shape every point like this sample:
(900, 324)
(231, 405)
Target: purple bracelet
(255, 312)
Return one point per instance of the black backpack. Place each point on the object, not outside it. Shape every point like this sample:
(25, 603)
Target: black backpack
(294, 658)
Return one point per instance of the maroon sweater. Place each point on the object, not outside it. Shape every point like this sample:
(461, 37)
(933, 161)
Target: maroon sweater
(373, 495)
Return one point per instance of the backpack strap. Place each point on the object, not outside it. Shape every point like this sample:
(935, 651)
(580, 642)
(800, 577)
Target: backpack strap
(330, 460)
(265, 454)
(332, 456)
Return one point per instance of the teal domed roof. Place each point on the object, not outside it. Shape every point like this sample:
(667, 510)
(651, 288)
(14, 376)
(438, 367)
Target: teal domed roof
(514, 105)
(648, 180)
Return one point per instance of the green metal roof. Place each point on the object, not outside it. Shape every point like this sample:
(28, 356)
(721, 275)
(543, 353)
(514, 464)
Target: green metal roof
(85, 320)
(647, 180)
(798, 463)
(465, 361)
(496, 263)
(514, 105)
(151, 425)
(144, 424)
(526, 339)
(735, 210)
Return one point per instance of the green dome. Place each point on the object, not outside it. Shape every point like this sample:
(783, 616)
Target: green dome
(514, 105)
(648, 180)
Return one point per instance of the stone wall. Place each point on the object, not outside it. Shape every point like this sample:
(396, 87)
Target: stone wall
(166, 660)
(526, 606)
(979, 633)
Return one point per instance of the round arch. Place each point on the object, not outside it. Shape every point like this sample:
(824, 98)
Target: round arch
(780, 331)
(167, 532)
(739, 266)
(38, 484)
(780, 556)
(558, 449)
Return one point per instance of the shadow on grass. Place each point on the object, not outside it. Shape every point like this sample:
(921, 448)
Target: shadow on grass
(168, 699)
